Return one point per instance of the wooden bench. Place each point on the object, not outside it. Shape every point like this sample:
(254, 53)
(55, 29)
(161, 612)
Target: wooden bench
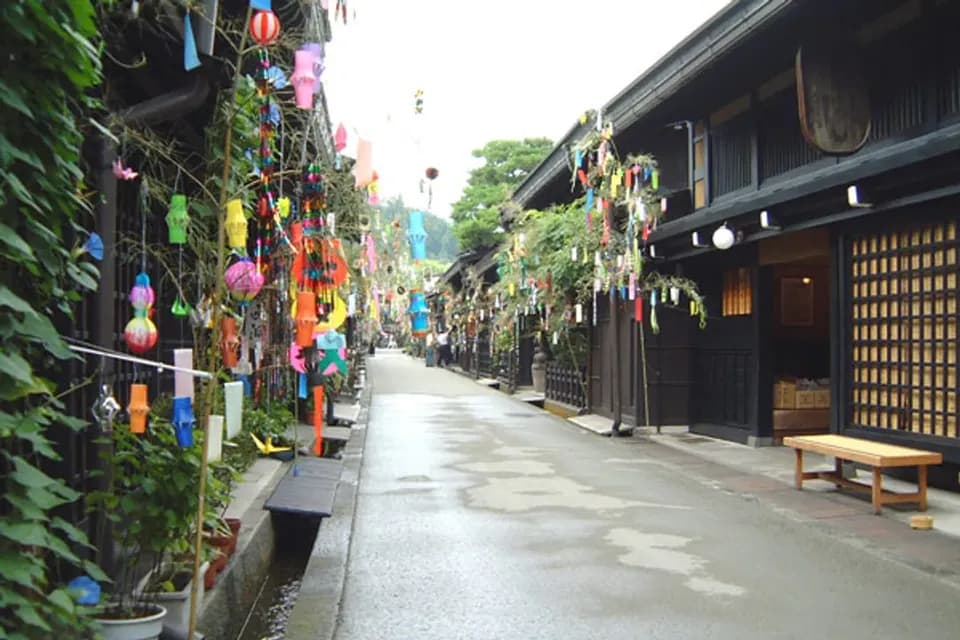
(877, 455)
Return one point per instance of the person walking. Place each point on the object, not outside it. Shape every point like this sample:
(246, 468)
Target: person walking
(443, 344)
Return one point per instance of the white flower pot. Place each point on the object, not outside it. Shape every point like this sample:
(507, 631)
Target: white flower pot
(177, 603)
(146, 628)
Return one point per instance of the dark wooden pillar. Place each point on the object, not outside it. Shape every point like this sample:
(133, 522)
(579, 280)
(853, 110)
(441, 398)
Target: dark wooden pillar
(761, 417)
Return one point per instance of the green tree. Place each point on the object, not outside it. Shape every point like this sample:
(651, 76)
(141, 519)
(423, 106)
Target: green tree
(507, 163)
(441, 243)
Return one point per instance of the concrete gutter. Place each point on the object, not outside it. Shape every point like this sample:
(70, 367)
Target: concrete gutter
(316, 613)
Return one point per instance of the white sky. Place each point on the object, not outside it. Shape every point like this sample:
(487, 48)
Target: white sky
(489, 69)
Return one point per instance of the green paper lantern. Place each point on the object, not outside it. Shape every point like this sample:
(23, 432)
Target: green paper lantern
(177, 219)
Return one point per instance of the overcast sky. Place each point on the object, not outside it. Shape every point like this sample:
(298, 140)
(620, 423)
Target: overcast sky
(494, 69)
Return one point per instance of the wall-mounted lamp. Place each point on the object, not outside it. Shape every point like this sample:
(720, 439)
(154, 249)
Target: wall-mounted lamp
(653, 251)
(857, 197)
(663, 205)
(768, 222)
(696, 241)
(806, 280)
(724, 237)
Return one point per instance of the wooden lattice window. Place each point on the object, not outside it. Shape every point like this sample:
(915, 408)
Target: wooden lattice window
(737, 292)
(903, 314)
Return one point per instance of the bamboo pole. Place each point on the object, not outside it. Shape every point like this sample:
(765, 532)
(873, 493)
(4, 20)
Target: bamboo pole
(215, 334)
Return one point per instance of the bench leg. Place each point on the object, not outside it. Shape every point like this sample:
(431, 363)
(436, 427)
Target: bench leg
(922, 486)
(838, 470)
(798, 468)
(877, 490)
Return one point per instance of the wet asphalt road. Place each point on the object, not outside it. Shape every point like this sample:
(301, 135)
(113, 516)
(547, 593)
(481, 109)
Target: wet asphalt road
(482, 518)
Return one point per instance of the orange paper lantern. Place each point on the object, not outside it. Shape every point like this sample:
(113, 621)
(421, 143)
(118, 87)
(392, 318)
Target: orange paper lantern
(229, 342)
(138, 408)
(306, 317)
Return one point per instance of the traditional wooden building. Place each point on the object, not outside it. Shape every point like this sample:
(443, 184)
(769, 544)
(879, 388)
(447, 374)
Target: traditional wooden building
(824, 136)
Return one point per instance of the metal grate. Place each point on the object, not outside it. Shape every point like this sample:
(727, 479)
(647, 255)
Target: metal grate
(904, 335)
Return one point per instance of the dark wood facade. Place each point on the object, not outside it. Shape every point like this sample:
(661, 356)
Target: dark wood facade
(883, 279)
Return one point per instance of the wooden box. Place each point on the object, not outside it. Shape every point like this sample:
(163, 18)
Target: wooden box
(784, 395)
(821, 399)
(806, 399)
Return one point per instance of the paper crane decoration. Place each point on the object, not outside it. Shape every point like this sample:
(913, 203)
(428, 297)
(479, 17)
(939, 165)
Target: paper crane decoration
(140, 333)
(265, 28)
(417, 235)
(138, 408)
(236, 225)
(244, 280)
(183, 421)
(177, 219)
(123, 173)
(267, 448)
(304, 79)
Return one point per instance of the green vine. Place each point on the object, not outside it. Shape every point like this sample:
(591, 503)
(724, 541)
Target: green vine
(43, 117)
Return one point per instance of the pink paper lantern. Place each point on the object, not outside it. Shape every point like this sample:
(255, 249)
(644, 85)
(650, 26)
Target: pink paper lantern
(340, 138)
(142, 297)
(303, 78)
(244, 280)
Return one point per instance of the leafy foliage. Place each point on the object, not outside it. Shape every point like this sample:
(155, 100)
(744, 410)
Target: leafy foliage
(43, 105)
(506, 164)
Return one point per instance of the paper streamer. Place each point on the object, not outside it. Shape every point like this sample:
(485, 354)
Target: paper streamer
(233, 408)
(318, 420)
(302, 386)
(191, 60)
(183, 381)
(215, 446)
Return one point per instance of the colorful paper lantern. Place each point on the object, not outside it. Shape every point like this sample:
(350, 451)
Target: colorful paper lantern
(140, 333)
(265, 28)
(417, 234)
(138, 408)
(306, 317)
(229, 342)
(304, 80)
(244, 280)
(177, 219)
(432, 173)
(236, 225)
(183, 421)
(419, 314)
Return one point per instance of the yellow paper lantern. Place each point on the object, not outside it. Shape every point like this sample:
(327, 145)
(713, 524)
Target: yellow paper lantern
(236, 225)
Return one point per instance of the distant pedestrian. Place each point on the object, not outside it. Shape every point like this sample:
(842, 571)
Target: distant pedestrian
(443, 343)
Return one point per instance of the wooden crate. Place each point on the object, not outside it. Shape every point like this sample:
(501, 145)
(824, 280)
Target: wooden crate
(821, 399)
(784, 395)
(806, 399)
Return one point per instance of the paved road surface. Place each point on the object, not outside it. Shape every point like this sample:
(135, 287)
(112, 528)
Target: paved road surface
(482, 518)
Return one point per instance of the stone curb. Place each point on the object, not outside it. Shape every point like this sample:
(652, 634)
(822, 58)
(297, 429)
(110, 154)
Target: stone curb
(316, 614)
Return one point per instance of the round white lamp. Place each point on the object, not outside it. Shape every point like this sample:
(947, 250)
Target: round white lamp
(723, 237)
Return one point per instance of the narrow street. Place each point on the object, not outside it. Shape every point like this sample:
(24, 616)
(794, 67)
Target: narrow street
(480, 517)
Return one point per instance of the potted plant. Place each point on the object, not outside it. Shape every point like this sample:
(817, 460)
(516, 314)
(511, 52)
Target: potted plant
(151, 502)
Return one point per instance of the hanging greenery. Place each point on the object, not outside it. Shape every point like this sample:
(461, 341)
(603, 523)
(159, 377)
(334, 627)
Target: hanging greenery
(45, 251)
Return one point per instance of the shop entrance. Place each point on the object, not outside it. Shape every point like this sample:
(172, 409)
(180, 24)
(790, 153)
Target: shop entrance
(799, 335)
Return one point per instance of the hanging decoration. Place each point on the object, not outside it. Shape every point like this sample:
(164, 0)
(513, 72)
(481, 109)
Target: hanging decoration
(318, 405)
(417, 235)
(233, 407)
(333, 344)
(191, 59)
(138, 408)
(236, 226)
(244, 280)
(304, 79)
(229, 342)
(264, 28)
(419, 314)
(140, 333)
(418, 101)
(177, 220)
(183, 420)
(123, 173)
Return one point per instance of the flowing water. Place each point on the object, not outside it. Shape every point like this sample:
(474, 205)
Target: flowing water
(278, 593)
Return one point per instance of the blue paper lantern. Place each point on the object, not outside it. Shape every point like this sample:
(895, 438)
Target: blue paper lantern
(417, 234)
(183, 421)
(419, 314)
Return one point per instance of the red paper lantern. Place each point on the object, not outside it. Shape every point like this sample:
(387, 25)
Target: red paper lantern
(265, 27)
